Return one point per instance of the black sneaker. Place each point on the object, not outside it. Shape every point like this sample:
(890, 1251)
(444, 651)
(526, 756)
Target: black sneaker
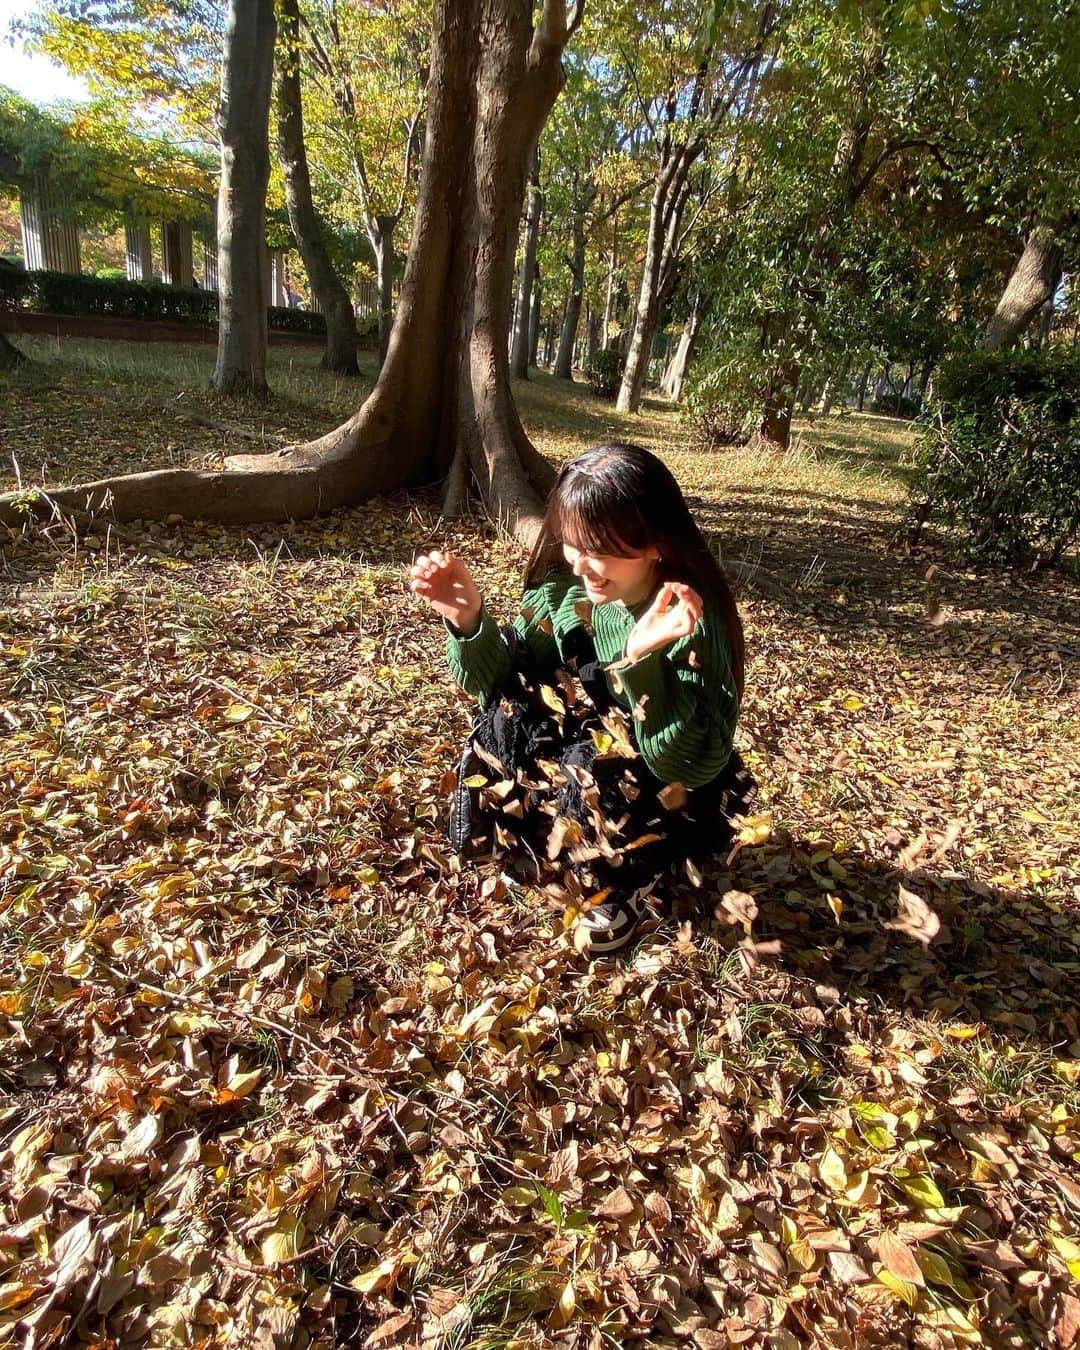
(609, 926)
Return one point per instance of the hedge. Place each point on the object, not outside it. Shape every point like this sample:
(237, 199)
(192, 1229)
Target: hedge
(64, 293)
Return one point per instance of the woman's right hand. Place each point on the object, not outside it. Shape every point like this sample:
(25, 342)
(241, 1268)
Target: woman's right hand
(446, 584)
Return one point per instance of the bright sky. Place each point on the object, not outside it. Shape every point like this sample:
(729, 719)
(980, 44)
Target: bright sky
(34, 77)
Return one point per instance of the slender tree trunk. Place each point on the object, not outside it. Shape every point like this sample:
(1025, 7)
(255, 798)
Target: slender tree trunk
(833, 386)
(442, 406)
(326, 286)
(247, 76)
(665, 216)
(609, 295)
(592, 342)
(564, 360)
(384, 262)
(10, 355)
(864, 380)
(549, 338)
(1033, 282)
(675, 376)
(775, 425)
(519, 355)
(534, 319)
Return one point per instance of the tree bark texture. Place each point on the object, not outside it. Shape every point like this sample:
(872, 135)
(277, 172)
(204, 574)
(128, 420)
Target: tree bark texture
(10, 355)
(326, 285)
(675, 375)
(384, 266)
(564, 358)
(665, 216)
(1032, 284)
(534, 318)
(519, 354)
(779, 407)
(246, 79)
(442, 406)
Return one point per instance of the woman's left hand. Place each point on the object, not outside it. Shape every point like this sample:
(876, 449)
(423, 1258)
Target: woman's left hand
(672, 615)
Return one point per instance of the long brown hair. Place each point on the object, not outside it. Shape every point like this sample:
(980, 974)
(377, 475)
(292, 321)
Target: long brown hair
(621, 499)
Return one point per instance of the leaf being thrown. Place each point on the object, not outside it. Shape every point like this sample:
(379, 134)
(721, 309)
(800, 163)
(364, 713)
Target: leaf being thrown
(914, 918)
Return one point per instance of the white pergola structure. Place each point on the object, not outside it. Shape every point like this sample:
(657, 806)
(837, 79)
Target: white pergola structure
(50, 238)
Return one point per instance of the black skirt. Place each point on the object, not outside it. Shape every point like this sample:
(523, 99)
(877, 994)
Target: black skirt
(550, 781)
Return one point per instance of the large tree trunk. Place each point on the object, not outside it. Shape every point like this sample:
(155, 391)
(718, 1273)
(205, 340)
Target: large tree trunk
(246, 79)
(564, 358)
(519, 356)
(442, 405)
(1032, 284)
(675, 375)
(10, 355)
(330, 293)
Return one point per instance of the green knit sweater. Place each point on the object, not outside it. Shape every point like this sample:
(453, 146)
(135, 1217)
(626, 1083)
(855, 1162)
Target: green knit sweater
(683, 697)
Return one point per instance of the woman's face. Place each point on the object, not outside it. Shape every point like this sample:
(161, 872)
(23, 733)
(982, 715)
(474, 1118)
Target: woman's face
(609, 576)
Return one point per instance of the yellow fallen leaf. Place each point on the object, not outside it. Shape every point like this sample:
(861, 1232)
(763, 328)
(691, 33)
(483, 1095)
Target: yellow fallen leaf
(283, 1241)
(906, 1292)
(756, 829)
(833, 1170)
(961, 1032)
(923, 1191)
(238, 712)
(564, 1309)
(15, 1295)
(852, 703)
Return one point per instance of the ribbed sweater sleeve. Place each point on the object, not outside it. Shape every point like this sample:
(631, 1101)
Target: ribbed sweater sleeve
(480, 663)
(684, 705)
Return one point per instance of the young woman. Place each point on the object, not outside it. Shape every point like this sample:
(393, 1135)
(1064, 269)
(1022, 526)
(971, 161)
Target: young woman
(608, 710)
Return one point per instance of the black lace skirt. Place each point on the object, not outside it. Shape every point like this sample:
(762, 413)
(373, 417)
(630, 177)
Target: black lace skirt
(550, 781)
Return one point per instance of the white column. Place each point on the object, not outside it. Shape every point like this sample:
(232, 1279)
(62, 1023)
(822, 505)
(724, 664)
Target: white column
(139, 253)
(276, 288)
(50, 241)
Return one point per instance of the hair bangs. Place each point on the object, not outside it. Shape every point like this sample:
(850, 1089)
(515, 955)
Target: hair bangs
(590, 520)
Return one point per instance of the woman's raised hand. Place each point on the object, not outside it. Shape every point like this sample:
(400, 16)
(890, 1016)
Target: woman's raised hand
(446, 584)
(672, 615)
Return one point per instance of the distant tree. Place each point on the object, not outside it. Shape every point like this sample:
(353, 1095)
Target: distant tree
(326, 285)
(247, 74)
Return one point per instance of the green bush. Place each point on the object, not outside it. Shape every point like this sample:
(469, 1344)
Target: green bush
(296, 320)
(604, 372)
(116, 297)
(722, 403)
(999, 454)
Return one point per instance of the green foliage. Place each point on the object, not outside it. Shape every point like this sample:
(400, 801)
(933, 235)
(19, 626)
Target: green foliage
(99, 163)
(723, 397)
(1000, 454)
(605, 372)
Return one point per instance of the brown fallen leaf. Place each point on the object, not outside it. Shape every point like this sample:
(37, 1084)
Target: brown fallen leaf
(898, 1258)
(389, 1328)
(618, 1205)
(914, 918)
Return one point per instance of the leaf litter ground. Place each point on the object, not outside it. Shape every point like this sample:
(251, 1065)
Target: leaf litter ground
(278, 1069)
